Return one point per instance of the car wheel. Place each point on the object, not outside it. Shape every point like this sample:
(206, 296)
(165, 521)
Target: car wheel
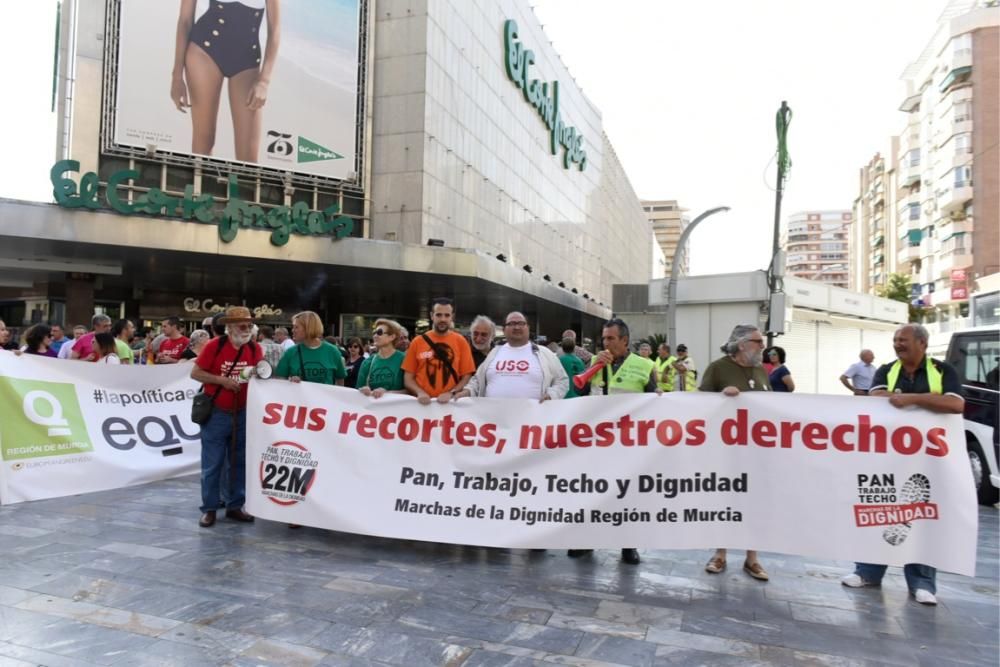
(985, 491)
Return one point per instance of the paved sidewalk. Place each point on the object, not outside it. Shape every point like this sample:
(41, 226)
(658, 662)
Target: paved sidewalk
(126, 577)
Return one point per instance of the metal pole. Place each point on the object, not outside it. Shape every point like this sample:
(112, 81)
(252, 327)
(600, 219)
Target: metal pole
(674, 268)
(783, 113)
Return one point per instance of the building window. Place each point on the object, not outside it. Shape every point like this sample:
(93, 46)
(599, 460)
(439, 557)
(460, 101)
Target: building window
(963, 176)
(914, 211)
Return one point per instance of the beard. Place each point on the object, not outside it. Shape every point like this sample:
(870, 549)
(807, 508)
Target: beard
(240, 338)
(754, 358)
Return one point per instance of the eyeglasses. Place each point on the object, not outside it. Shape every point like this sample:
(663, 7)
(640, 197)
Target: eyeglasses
(516, 323)
(759, 341)
(378, 332)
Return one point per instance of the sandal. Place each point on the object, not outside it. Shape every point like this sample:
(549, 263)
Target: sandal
(755, 570)
(715, 565)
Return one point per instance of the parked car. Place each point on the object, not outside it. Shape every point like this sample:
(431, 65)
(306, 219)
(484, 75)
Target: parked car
(975, 354)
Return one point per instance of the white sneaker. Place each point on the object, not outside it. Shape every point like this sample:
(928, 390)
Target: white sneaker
(855, 581)
(924, 597)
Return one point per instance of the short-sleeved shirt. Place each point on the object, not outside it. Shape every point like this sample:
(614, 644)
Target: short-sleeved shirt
(515, 372)
(124, 352)
(83, 348)
(174, 347)
(323, 364)
(228, 361)
(777, 378)
(919, 384)
(429, 372)
(860, 374)
(725, 372)
(573, 365)
(57, 344)
(379, 373)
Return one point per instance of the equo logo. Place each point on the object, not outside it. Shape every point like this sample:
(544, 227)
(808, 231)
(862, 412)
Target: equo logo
(56, 423)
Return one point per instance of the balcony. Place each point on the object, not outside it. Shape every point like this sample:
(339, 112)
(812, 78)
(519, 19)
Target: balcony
(961, 123)
(957, 258)
(950, 227)
(909, 173)
(907, 253)
(956, 76)
(954, 198)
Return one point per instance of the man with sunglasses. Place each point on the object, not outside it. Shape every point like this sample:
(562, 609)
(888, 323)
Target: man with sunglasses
(741, 369)
(519, 369)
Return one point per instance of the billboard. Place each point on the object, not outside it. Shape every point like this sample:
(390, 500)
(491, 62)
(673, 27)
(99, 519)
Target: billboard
(257, 82)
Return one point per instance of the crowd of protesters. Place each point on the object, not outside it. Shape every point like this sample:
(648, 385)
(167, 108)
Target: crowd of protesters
(442, 365)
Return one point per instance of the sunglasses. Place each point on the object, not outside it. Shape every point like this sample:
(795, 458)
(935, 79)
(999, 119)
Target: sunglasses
(379, 332)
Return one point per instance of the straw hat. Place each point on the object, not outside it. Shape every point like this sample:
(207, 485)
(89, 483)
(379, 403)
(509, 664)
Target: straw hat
(235, 315)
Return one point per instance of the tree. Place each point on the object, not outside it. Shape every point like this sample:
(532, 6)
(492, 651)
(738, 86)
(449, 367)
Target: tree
(654, 341)
(898, 288)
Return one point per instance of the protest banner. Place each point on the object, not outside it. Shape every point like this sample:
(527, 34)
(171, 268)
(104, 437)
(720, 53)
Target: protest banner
(823, 476)
(69, 427)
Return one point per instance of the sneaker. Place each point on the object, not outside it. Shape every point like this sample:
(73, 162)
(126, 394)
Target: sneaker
(924, 597)
(855, 581)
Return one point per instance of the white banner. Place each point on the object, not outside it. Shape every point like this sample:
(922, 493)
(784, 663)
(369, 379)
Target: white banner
(69, 427)
(831, 477)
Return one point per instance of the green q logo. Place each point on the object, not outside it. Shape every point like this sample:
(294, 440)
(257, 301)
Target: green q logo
(55, 421)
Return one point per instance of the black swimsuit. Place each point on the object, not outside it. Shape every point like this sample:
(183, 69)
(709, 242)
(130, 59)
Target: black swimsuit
(229, 32)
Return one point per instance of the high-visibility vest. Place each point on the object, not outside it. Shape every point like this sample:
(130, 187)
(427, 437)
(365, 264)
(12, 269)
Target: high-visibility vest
(631, 377)
(934, 376)
(666, 372)
(690, 380)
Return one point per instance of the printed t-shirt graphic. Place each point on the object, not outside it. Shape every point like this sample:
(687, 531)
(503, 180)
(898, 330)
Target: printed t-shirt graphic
(174, 348)
(324, 365)
(515, 372)
(379, 373)
(430, 373)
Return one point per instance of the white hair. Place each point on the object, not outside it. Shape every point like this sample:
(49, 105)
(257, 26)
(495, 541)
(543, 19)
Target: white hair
(741, 334)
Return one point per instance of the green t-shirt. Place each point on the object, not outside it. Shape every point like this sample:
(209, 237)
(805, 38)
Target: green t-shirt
(379, 373)
(124, 352)
(573, 365)
(725, 372)
(324, 364)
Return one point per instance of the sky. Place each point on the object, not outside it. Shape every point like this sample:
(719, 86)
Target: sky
(688, 92)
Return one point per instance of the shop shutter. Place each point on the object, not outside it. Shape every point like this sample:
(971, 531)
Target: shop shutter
(838, 348)
(799, 343)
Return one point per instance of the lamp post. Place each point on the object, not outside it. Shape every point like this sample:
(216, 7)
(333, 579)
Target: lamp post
(675, 267)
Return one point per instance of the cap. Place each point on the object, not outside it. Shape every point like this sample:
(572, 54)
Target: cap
(682, 348)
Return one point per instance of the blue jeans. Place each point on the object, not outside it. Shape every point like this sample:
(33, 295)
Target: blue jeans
(216, 441)
(917, 576)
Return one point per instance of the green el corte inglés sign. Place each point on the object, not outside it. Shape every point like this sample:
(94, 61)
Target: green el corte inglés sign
(544, 97)
(281, 221)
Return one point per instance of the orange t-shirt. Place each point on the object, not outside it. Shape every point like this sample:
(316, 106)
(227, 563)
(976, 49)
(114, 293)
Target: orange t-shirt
(428, 371)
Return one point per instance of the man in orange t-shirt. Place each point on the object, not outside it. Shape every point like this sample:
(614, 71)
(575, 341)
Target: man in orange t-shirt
(443, 367)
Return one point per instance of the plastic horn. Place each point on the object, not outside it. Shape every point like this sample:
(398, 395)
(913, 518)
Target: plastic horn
(580, 380)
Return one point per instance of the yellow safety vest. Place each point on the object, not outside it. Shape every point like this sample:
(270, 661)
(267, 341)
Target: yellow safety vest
(666, 372)
(690, 380)
(631, 377)
(934, 376)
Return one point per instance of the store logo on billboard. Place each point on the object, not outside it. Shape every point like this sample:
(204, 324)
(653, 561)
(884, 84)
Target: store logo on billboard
(310, 151)
(49, 422)
(279, 144)
(280, 221)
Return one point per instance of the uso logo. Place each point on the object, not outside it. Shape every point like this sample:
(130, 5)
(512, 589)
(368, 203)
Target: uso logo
(287, 472)
(511, 366)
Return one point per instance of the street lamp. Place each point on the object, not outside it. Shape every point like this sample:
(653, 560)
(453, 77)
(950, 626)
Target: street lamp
(675, 267)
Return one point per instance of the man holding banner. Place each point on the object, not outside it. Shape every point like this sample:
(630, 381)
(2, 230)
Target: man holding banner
(519, 369)
(740, 370)
(621, 373)
(913, 379)
(221, 363)
(438, 363)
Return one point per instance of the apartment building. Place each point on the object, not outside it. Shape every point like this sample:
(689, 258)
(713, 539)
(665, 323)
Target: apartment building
(669, 221)
(948, 178)
(874, 244)
(817, 246)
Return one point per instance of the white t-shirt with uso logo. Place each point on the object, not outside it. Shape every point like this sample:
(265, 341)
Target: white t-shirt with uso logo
(514, 373)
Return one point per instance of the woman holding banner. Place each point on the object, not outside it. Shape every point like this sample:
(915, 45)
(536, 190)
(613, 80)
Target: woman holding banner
(382, 371)
(224, 43)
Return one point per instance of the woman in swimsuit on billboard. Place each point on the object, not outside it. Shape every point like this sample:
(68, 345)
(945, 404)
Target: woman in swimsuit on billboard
(224, 43)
